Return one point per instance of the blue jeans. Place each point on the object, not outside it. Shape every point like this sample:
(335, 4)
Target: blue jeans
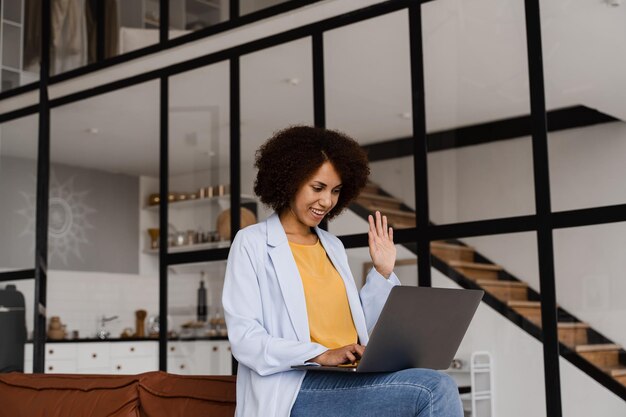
(411, 392)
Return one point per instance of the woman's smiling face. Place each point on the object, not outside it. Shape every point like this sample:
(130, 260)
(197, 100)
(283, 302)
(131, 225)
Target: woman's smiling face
(317, 196)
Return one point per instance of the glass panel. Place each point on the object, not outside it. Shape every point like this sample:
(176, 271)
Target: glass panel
(199, 152)
(73, 43)
(372, 103)
(18, 188)
(131, 25)
(506, 268)
(361, 263)
(249, 6)
(190, 15)
(31, 52)
(26, 289)
(586, 82)
(198, 342)
(589, 268)
(282, 76)
(11, 45)
(12, 10)
(103, 277)
(10, 79)
(476, 87)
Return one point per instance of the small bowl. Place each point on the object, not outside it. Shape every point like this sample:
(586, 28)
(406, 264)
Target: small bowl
(154, 199)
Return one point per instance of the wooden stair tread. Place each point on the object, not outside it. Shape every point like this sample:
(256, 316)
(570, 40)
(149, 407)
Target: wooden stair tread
(615, 372)
(572, 325)
(597, 347)
(444, 245)
(517, 303)
(393, 212)
(372, 196)
(501, 283)
(474, 265)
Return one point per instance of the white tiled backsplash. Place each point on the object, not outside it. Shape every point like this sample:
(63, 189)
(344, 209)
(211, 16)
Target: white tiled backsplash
(81, 298)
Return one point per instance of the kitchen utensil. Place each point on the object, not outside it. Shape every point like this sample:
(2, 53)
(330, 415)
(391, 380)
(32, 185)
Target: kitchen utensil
(140, 319)
(223, 222)
(154, 238)
(154, 199)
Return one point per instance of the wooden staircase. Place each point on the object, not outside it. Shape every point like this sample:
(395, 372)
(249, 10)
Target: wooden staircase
(471, 270)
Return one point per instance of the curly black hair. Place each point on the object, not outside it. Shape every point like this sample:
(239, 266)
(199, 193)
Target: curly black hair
(290, 157)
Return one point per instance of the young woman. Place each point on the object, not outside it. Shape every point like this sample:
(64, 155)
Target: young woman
(290, 298)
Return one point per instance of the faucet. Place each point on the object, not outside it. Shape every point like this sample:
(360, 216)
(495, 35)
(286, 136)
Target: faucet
(103, 333)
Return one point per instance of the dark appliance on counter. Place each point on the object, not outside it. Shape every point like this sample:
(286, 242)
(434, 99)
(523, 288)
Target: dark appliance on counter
(12, 329)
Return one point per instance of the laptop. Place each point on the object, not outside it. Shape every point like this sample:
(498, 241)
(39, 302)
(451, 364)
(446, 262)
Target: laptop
(419, 327)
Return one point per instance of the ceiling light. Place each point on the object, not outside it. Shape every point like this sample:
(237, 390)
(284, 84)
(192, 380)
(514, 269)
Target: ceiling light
(93, 130)
(406, 115)
(293, 81)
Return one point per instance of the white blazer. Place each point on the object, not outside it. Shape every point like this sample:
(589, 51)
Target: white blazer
(266, 315)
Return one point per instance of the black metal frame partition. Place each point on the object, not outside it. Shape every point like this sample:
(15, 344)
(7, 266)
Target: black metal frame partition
(543, 222)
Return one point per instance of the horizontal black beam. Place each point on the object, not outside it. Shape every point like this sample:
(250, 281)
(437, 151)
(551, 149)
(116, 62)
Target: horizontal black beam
(590, 216)
(511, 128)
(483, 227)
(17, 275)
(191, 257)
(359, 240)
(16, 114)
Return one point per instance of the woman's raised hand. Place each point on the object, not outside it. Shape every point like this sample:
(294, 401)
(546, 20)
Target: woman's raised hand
(382, 249)
(343, 355)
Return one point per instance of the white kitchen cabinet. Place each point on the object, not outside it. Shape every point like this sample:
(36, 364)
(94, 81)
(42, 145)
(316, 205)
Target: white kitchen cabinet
(93, 357)
(192, 357)
(60, 358)
(134, 357)
(199, 357)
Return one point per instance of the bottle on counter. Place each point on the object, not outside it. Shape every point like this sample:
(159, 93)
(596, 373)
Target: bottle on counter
(202, 305)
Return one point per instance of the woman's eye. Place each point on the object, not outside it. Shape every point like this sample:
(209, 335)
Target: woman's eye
(317, 189)
(336, 191)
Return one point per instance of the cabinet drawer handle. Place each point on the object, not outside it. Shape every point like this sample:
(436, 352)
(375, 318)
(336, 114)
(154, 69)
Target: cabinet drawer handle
(182, 366)
(51, 351)
(214, 348)
(50, 368)
(118, 367)
(94, 355)
(172, 349)
(228, 348)
(132, 348)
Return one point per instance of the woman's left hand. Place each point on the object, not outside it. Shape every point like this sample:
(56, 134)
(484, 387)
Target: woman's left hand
(382, 249)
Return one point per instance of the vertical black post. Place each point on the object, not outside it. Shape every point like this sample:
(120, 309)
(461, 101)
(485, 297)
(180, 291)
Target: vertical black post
(100, 28)
(164, 20)
(233, 9)
(319, 92)
(542, 202)
(43, 176)
(420, 158)
(163, 219)
(235, 156)
(319, 96)
(235, 147)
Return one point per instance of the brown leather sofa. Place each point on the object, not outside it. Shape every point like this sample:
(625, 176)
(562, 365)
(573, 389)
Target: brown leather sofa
(152, 394)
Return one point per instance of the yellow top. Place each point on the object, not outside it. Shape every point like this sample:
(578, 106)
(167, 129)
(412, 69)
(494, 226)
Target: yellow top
(330, 318)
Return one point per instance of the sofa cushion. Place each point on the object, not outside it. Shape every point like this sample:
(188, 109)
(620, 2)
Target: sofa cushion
(163, 394)
(34, 395)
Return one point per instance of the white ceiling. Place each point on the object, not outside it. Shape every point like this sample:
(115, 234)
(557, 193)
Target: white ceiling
(475, 71)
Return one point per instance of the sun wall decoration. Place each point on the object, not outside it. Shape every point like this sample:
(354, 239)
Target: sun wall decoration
(68, 219)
